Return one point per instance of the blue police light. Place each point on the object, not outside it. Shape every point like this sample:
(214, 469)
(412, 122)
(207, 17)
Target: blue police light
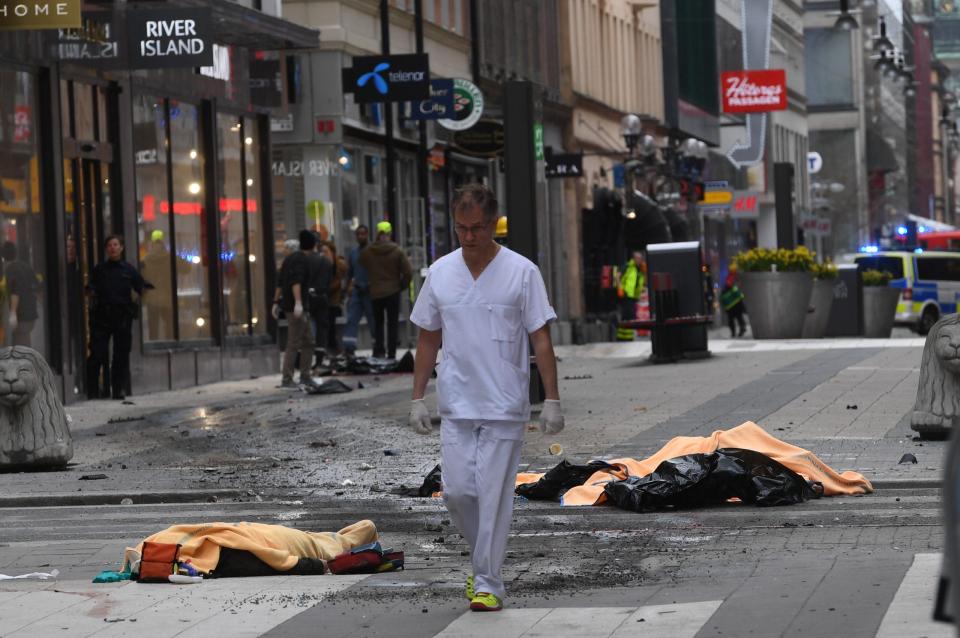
(921, 229)
(919, 251)
(901, 230)
(869, 249)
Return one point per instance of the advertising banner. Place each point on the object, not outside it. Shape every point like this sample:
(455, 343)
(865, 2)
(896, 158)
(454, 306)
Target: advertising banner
(754, 91)
(163, 38)
(21, 15)
(467, 106)
(388, 78)
(440, 104)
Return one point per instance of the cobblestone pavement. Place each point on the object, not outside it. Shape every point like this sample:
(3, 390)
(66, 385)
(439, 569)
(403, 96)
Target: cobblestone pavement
(250, 451)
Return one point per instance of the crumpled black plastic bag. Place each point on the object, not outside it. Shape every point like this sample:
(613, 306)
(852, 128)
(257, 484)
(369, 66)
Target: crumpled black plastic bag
(431, 485)
(558, 480)
(328, 386)
(370, 365)
(699, 480)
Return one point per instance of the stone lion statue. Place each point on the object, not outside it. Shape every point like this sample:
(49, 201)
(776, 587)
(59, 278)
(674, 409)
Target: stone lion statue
(938, 395)
(33, 425)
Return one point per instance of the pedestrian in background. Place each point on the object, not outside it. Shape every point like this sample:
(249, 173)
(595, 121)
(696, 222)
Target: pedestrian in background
(359, 303)
(335, 308)
(731, 298)
(113, 310)
(319, 273)
(293, 289)
(22, 288)
(487, 305)
(389, 273)
(632, 282)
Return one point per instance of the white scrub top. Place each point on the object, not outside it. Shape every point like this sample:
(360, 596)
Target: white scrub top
(485, 370)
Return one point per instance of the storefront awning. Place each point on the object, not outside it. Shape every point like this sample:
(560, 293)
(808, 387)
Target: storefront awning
(241, 26)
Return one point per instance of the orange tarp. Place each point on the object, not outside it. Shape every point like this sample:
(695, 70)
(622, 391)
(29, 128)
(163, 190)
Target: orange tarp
(748, 436)
(276, 545)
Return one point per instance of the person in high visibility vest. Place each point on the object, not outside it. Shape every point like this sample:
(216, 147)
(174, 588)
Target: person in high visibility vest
(731, 298)
(629, 288)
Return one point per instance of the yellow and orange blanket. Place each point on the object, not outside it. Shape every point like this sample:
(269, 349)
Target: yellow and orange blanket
(748, 436)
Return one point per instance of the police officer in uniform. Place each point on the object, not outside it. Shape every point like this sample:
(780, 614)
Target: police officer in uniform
(111, 317)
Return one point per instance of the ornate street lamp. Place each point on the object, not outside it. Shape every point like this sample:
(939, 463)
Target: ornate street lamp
(630, 128)
(845, 22)
(882, 42)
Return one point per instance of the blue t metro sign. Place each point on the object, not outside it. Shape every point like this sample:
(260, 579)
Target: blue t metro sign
(388, 78)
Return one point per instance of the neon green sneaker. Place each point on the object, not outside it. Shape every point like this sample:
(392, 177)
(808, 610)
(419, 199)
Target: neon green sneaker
(486, 602)
(470, 592)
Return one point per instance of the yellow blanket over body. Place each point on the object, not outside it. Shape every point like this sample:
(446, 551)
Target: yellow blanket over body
(748, 436)
(276, 545)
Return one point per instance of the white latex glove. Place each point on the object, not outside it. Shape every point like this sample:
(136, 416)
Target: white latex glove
(551, 417)
(275, 311)
(12, 322)
(420, 417)
(298, 310)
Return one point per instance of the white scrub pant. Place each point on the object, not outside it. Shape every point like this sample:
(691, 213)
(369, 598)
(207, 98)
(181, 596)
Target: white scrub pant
(479, 471)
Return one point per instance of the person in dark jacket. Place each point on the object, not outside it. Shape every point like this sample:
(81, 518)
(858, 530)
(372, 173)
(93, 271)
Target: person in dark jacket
(389, 273)
(113, 312)
(319, 273)
(292, 300)
(22, 286)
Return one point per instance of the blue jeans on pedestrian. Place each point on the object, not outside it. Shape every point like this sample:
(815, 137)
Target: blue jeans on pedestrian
(359, 305)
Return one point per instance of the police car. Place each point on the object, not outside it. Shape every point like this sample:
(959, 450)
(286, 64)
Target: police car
(930, 281)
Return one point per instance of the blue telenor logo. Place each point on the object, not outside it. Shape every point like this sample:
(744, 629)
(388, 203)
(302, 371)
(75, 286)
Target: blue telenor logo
(378, 81)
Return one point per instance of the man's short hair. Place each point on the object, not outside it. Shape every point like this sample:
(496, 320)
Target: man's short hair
(472, 195)
(307, 239)
(362, 227)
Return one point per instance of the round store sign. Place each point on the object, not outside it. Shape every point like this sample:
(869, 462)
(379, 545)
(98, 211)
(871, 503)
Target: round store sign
(467, 106)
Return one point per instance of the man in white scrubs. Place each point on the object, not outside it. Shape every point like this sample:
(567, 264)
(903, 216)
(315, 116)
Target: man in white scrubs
(483, 301)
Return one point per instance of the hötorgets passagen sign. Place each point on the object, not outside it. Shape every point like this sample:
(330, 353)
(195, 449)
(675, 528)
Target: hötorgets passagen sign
(18, 15)
(388, 78)
(754, 91)
(169, 38)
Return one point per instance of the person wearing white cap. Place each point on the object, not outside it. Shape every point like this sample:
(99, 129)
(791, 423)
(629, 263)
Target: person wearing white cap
(486, 304)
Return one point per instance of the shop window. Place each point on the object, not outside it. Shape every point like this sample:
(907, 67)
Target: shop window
(21, 218)
(255, 228)
(241, 231)
(189, 214)
(233, 248)
(150, 158)
(172, 216)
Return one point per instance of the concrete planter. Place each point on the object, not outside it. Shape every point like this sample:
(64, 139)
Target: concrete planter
(777, 303)
(821, 300)
(879, 310)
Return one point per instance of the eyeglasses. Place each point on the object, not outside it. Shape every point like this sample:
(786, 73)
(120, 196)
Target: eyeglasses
(473, 230)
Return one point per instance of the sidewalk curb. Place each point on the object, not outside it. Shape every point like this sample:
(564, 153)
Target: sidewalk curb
(907, 484)
(114, 498)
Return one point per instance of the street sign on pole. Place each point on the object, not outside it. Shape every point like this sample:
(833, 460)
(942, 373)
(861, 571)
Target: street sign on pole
(814, 162)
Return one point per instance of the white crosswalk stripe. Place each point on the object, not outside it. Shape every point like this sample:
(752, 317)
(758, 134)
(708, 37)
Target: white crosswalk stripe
(682, 620)
(910, 612)
(239, 607)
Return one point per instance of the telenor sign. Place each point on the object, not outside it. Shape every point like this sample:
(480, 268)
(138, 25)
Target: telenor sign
(754, 91)
(18, 15)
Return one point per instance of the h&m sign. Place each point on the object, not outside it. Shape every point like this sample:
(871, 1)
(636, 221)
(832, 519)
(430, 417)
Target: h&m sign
(170, 38)
(18, 15)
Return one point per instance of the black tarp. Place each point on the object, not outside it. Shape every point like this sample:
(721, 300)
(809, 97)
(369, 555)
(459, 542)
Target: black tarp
(698, 480)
